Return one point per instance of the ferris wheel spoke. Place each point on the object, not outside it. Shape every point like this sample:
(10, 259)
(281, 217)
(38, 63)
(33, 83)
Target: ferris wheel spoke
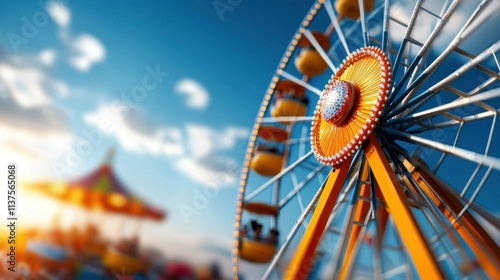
(425, 47)
(403, 48)
(297, 141)
(277, 176)
(443, 156)
(478, 209)
(461, 102)
(277, 257)
(299, 186)
(449, 123)
(380, 217)
(459, 152)
(476, 192)
(320, 50)
(335, 22)
(454, 119)
(300, 82)
(385, 25)
(363, 22)
(414, 103)
(421, 191)
(460, 37)
(359, 213)
(295, 183)
(405, 268)
(287, 119)
(455, 212)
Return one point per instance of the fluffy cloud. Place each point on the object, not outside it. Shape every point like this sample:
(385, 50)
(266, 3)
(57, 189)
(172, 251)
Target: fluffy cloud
(84, 50)
(202, 140)
(32, 130)
(47, 57)
(134, 133)
(197, 151)
(210, 172)
(25, 84)
(87, 51)
(59, 13)
(197, 96)
(204, 164)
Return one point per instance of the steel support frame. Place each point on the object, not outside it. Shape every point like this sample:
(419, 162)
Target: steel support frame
(304, 256)
(469, 229)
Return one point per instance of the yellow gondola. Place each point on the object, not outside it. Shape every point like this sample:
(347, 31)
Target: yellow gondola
(126, 264)
(291, 100)
(288, 108)
(350, 8)
(256, 251)
(267, 163)
(309, 62)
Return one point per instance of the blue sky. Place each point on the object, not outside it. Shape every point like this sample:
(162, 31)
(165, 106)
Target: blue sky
(78, 64)
(74, 59)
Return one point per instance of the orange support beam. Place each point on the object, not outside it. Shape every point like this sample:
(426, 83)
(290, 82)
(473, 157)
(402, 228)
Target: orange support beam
(304, 256)
(471, 231)
(406, 224)
(361, 210)
(383, 215)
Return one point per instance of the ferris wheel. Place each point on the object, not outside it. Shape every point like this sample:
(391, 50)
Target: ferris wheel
(375, 152)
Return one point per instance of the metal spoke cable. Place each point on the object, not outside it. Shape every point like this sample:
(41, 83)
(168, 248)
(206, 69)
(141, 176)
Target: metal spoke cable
(320, 50)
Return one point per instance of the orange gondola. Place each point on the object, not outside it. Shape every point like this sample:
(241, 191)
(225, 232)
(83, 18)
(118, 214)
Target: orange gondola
(256, 251)
(267, 163)
(291, 100)
(350, 8)
(273, 133)
(309, 62)
(255, 248)
(261, 208)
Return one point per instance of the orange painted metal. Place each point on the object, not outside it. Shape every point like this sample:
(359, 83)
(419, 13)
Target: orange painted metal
(361, 210)
(406, 224)
(469, 229)
(304, 256)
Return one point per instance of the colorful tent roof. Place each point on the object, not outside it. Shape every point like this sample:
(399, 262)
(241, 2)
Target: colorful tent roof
(101, 190)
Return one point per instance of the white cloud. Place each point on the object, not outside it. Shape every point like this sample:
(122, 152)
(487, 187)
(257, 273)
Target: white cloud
(47, 57)
(207, 172)
(31, 135)
(25, 84)
(197, 96)
(134, 133)
(87, 51)
(59, 13)
(197, 151)
(60, 88)
(205, 164)
(203, 140)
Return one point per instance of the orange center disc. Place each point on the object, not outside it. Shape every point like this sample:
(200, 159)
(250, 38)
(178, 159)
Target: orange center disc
(350, 105)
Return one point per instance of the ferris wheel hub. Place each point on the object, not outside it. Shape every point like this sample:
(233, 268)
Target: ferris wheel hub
(350, 106)
(337, 101)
